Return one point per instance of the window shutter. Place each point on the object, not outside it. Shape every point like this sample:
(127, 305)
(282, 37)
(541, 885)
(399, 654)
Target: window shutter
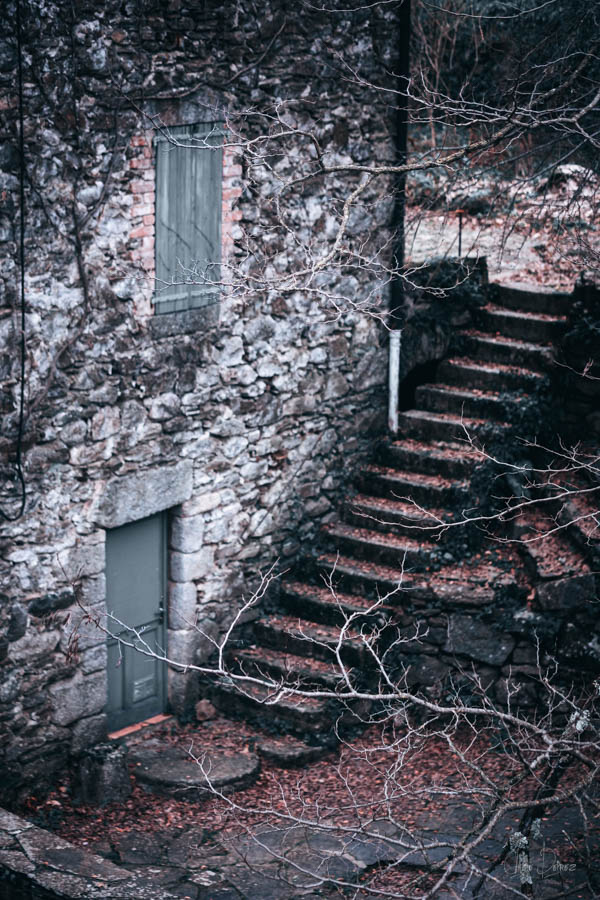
(188, 218)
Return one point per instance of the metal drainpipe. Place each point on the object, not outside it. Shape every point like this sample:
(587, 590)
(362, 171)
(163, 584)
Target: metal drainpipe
(397, 286)
(394, 379)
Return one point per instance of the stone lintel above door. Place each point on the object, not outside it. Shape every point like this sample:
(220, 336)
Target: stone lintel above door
(138, 495)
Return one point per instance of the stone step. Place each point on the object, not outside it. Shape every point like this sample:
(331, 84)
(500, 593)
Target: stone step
(485, 347)
(286, 669)
(531, 299)
(428, 490)
(396, 516)
(547, 553)
(453, 583)
(580, 515)
(273, 711)
(169, 771)
(331, 607)
(466, 373)
(434, 458)
(443, 398)
(287, 751)
(301, 637)
(373, 580)
(363, 543)
(511, 323)
(424, 425)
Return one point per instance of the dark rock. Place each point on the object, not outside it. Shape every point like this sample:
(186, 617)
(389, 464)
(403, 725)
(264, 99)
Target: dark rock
(47, 603)
(101, 776)
(426, 670)
(468, 637)
(17, 625)
(139, 847)
(567, 593)
(184, 851)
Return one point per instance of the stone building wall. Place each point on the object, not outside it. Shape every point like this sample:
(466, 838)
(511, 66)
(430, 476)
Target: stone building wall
(242, 419)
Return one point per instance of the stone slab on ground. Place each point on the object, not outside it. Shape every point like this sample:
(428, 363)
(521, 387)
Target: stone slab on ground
(174, 773)
(35, 862)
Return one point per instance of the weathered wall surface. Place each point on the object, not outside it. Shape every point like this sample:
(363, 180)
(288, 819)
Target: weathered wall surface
(243, 420)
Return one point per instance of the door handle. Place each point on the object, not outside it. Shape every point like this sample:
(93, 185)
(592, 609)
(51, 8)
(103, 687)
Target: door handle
(160, 613)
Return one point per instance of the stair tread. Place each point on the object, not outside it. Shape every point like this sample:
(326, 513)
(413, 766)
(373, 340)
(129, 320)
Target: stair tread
(377, 538)
(324, 595)
(416, 478)
(385, 505)
(468, 393)
(464, 362)
(468, 422)
(552, 553)
(373, 570)
(499, 339)
(583, 513)
(506, 312)
(436, 448)
(262, 694)
(530, 287)
(472, 574)
(294, 625)
(290, 663)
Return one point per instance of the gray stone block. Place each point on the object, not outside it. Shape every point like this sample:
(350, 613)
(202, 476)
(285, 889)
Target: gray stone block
(78, 697)
(183, 599)
(140, 494)
(100, 776)
(187, 533)
(86, 558)
(87, 732)
(191, 566)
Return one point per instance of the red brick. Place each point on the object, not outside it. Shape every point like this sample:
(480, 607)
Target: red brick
(142, 231)
(142, 187)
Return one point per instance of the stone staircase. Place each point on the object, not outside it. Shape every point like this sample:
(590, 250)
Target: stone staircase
(386, 537)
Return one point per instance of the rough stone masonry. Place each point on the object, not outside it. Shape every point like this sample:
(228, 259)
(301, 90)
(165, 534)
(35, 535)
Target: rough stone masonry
(242, 418)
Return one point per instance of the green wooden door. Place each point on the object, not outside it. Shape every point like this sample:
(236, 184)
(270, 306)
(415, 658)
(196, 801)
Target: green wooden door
(136, 579)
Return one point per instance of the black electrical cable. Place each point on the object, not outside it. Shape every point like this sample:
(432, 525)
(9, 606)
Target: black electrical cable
(19, 453)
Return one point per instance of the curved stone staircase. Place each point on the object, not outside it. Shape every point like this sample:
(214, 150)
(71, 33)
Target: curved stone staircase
(383, 539)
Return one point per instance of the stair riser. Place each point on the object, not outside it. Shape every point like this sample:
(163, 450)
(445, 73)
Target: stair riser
(376, 553)
(391, 523)
(425, 495)
(324, 614)
(529, 301)
(485, 381)
(476, 408)
(483, 351)
(288, 643)
(429, 430)
(522, 329)
(423, 463)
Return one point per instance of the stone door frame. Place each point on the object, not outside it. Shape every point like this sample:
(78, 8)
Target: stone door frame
(136, 496)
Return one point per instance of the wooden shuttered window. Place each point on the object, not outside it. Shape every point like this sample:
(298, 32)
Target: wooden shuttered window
(188, 217)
